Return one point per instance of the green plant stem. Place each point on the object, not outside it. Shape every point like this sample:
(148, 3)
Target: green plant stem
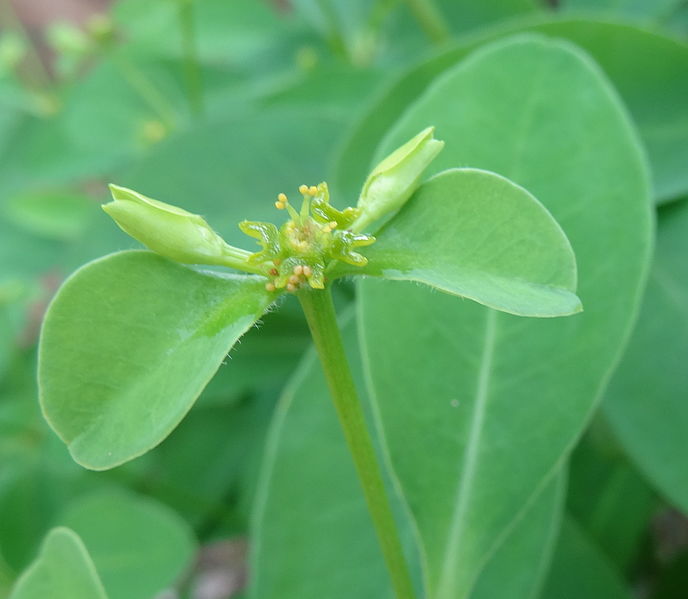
(192, 71)
(322, 321)
(430, 19)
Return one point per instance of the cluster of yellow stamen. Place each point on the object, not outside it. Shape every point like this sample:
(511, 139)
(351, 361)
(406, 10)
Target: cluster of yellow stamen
(300, 275)
(300, 251)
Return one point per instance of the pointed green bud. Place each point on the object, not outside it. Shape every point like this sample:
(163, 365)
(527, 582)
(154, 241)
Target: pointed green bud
(394, 180)
(170, 231)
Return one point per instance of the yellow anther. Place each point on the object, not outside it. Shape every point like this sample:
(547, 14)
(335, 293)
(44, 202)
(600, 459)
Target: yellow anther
(298, 269)
(282, 197)
(294, 279)
(313, 190)
(291, 287)
(270, 287)
(307, 271)
(303, 189)
(280, 205)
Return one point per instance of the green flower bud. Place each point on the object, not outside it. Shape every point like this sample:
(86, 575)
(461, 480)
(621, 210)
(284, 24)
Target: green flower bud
(394, 180)
(170, 231)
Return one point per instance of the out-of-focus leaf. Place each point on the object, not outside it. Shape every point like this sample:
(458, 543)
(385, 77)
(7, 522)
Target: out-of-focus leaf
(128, 344)
(647, 400)
(139, 546)
(464, 15)
(52, 214)
(653, 12)
(228, 441)
(478, 407)
(579, 569)
(62, 570)
(609, 498)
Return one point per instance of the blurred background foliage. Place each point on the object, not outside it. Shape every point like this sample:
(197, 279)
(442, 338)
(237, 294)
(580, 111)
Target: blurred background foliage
(217, 106)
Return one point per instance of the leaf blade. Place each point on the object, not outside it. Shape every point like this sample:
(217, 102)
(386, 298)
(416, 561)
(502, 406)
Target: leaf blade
(128, 344)
(569, 122)
(476, 234)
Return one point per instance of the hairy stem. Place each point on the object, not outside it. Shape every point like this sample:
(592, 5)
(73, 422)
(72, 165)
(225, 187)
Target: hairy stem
(321, 317)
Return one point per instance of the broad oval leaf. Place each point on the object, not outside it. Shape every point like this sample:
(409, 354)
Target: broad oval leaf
(62, 570)
(647, 400)
(139, 546)
(478, 235)
(478, 407)
(128, 344)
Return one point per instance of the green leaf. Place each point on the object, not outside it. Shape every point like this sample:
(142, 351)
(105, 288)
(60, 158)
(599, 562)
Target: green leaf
(478, 235)
(128, 344)
(139, 546)
(649, 70)
(478, 407)
(520, 563)
(579, 569)
(62, 570)
(646, 400)
(309, 495)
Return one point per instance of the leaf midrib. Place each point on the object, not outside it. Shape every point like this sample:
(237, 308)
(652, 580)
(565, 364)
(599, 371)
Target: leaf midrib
(470, 459)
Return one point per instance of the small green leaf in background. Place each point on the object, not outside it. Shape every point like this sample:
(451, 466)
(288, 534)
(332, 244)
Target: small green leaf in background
(647, 400)
(479, 407)
(579, 569)
(139, 546)
(128, 344)
(476, 234)
(62, 570)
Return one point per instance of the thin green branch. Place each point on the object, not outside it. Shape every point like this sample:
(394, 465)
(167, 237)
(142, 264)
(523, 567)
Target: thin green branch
(322, 321)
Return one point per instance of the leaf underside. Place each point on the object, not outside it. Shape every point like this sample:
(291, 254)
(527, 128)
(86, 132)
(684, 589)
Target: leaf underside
(128, 344)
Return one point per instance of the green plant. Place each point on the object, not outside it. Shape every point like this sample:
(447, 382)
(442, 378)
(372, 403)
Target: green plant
(521, 458)
(116, 388)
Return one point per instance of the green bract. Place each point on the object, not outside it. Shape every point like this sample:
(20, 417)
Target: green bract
(170, 231)
(394, 179)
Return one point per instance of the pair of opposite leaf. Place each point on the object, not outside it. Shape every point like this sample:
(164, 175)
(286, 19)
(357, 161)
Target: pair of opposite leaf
(130, 340)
